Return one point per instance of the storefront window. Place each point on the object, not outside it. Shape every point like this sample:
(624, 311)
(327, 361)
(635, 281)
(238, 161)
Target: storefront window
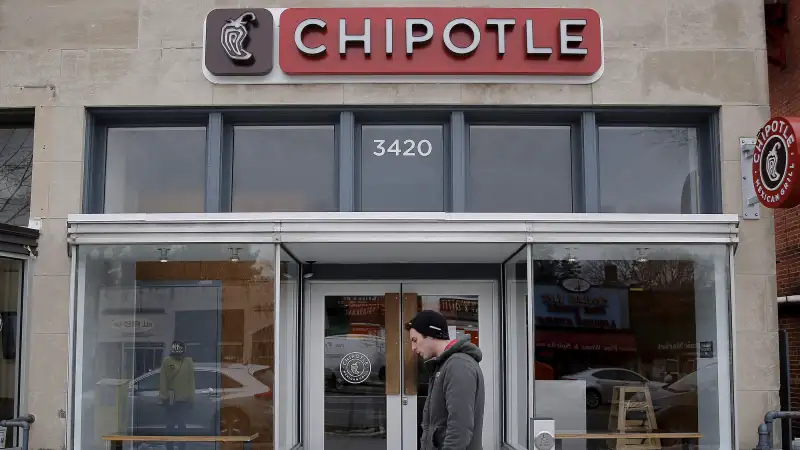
(286, 168)
(16, 168)
(621, 323)
(517, 372)
(11, 280)
(175, 340)
(519, 169)
(402, 168)
(628, 183)
(155, 170)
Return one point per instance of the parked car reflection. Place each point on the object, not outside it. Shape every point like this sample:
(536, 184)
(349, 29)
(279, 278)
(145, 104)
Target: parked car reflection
(230, 400)
(600, 383)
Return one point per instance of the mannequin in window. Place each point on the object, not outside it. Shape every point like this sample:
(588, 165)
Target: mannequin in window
(177, 389)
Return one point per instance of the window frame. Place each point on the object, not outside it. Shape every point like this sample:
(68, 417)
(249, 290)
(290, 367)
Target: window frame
(584, 123)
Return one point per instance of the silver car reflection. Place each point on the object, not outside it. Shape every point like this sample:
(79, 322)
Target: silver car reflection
(230, 400)
(600, 383)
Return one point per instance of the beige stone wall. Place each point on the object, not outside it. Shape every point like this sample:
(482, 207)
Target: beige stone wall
(64, 55)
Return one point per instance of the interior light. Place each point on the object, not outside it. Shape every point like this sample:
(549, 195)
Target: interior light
(234, 253)
(642, 255)
(164, 252)
(310, 271)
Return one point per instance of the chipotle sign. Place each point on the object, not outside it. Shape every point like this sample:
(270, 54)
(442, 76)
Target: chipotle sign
(775, 162)
(298, 45)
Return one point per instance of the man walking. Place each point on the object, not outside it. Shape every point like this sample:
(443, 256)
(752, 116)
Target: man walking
(452, 418)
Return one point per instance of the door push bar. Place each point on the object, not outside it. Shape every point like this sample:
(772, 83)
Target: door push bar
(23, 422)
(765, 429)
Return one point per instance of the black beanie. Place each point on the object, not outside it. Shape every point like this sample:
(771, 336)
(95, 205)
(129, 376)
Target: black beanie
(431, 324)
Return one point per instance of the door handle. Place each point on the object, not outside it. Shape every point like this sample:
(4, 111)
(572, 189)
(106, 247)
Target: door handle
(405, 401)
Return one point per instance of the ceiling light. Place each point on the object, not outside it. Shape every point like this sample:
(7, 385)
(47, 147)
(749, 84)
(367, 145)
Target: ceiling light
(234, 253)
(310, 271)
(164, 252)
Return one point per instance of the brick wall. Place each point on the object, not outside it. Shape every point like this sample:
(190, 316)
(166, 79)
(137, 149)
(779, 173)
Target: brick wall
(784, 92)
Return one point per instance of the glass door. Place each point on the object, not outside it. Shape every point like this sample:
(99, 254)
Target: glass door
(366, 387)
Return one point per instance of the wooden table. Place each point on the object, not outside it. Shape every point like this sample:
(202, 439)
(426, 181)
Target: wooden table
(628, 435)
(247, 441)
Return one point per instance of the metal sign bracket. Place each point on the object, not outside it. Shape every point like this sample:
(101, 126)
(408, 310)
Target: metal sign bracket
(751, 207)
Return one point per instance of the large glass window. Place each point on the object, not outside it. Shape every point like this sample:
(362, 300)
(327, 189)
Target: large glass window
(11, 281)
(284, 168)
(402, 168)
(16, 168)
(519, 169)
(517, 370)
(637, 341)
(155, 170)
(176, 340)
(648, 170)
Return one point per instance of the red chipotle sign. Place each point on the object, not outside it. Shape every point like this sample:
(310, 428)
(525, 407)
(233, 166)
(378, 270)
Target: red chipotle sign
(775, 163)
(417, 44)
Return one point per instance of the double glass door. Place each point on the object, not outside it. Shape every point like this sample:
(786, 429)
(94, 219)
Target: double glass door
(366, 386)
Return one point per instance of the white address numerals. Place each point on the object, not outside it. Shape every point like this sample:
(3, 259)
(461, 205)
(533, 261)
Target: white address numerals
(409, 147)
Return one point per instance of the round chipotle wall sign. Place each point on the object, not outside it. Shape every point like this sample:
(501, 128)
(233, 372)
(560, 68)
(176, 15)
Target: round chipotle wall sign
(774, 162)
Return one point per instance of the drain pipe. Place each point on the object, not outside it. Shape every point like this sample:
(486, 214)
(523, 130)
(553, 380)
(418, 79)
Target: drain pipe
(765, 429)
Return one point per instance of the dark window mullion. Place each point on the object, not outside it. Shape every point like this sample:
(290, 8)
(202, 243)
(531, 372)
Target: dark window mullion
(347, 161)
(458, 162)
(213, 163)
(590, 163)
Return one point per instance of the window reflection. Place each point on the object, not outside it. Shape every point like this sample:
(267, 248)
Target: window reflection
(16, 170)
(629, 324)
(627, 156)
(11, 275)
(155, 170)
(178, 342)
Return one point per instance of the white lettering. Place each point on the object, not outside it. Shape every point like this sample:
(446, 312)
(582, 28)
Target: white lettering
(344, 38)
(389, 36)
(501, 25)
(476, 36)
(566, 39)
(298, 36)
(411, 39)
(790, 140)
(532, 49)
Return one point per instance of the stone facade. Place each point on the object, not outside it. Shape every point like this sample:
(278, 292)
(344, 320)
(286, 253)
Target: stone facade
(64, 55)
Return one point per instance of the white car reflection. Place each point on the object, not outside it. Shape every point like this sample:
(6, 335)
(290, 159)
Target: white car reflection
(600, 383)
(230, 400)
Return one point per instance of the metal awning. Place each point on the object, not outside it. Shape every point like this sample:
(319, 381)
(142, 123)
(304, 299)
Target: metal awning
(18, 240)
(429, 228)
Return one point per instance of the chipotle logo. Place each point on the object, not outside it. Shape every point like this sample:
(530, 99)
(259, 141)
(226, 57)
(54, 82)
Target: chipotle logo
(775, 161)
(397, 44)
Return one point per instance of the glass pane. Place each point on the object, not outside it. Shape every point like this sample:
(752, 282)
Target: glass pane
(290, 392)
(177, 340)
(355, 372)
(155, 170)
(517, 371)
(620, 323)
(11, 275)
(402, 168)
(519, 169)
(16, 167)
(284, 169)
(628, 183)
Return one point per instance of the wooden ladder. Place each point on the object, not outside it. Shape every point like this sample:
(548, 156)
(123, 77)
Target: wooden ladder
(619, 422)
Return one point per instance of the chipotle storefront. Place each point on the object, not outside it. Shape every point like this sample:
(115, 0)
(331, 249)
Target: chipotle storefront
(242, 269)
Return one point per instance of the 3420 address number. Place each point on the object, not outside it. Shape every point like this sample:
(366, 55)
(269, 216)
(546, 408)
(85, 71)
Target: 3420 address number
(409, 147)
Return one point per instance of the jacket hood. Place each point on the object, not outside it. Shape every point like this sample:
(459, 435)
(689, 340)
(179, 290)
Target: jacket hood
(462, 345)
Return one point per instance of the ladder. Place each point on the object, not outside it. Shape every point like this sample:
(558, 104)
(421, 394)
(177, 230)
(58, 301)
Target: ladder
(626, 399)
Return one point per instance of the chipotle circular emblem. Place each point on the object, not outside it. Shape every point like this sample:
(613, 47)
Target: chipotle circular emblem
(774, 162)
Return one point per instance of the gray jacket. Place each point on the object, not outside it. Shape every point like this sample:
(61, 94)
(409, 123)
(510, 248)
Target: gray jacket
(452, 418)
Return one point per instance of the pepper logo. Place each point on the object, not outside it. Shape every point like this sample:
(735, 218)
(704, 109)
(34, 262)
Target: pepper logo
(239, 41)
(776, 160)
(234, 36)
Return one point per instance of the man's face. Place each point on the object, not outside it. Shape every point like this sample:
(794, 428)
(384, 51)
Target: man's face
(421, 345)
